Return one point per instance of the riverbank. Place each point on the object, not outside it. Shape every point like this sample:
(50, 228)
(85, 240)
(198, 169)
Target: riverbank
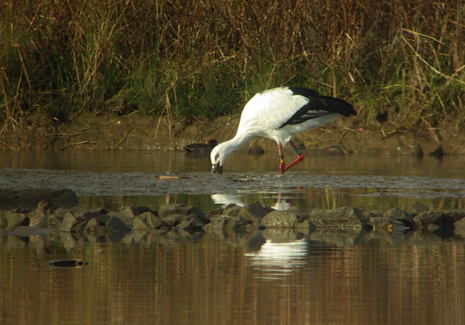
(140, 131)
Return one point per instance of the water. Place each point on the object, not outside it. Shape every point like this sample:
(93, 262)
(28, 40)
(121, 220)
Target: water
(330, 195)
(324, 278)
(211, 282)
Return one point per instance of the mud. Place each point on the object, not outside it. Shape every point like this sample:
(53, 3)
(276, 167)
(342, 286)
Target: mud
(139, 131)
(150, 184)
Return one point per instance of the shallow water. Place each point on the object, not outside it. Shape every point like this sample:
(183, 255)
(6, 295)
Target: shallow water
(368, 182)
(326, 277)
(209, 281)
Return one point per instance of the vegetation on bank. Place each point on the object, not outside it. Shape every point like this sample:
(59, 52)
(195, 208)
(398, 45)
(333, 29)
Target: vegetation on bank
(206, 58)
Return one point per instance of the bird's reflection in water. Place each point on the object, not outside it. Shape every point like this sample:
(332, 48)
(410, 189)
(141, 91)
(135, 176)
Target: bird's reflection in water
(226, 199)
(283, 251)
(282, 203)
(277, 259)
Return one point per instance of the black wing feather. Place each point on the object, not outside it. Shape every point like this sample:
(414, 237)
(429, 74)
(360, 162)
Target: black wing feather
(317, 106)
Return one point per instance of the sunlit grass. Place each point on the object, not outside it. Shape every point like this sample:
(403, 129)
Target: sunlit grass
(203, 59)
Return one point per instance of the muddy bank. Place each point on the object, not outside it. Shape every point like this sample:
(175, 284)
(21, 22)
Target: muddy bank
(139, 131)
(13, 182)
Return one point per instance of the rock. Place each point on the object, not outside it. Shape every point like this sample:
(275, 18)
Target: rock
(15, 219)
(89, 215)
(174, 219)
(138, 224)
(134, 211)
(282, 219)
(252, 213)
(116, 224)
(456, 214)
(443, 219)
(148, 218)
(306, 227)
(396, 214)
(192, 223)
(341, 217)
(68, 221)
(232, 210)
(160, 224)
(236, 224)
(93, 228)
(459, 227)
(225, 226)
(128, 221)
(130, 211)
(379, 222)
(215, 213)
(174, 208)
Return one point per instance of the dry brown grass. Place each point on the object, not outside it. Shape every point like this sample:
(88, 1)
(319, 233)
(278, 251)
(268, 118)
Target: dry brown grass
(206, 58)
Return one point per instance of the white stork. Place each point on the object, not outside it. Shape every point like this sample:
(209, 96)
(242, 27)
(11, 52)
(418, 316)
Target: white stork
(277, 114)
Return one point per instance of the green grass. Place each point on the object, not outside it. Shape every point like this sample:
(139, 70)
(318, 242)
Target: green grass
(203, 59)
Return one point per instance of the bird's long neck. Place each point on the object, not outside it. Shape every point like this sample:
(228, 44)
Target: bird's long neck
(234, 144)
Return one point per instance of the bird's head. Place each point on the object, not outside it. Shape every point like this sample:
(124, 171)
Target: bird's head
(220, 153)
(217, 160)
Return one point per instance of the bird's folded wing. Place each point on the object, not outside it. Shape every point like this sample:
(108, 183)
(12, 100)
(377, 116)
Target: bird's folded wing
(271, 109)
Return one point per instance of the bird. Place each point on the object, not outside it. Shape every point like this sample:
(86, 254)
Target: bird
(277, 114)
(200, 149)
(39, 218)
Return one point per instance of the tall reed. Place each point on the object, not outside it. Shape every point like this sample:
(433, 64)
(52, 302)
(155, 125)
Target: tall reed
(205, 58)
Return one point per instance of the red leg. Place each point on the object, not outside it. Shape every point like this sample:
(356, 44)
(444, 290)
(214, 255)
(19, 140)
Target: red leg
(299, 158)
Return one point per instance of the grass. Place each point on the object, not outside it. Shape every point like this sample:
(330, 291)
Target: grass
(203, 59)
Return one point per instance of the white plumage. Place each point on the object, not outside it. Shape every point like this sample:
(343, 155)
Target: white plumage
(277, 114)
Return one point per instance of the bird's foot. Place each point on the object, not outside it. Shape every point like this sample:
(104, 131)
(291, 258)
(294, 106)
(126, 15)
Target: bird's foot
(299, 158)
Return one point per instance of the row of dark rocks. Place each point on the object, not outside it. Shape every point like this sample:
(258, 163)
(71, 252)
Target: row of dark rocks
(229, 221)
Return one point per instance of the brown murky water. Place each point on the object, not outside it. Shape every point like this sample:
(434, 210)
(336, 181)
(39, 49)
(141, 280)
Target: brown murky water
(210, 282)
(324, 278)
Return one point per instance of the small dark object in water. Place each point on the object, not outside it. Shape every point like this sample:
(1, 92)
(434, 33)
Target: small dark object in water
(201, 149)
(438, 153)
(66, 263)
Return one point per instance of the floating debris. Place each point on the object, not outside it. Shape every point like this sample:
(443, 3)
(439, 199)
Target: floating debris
(66, 263)
(171, 177)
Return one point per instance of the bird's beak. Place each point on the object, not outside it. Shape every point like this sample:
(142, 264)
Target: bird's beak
(217, 168)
